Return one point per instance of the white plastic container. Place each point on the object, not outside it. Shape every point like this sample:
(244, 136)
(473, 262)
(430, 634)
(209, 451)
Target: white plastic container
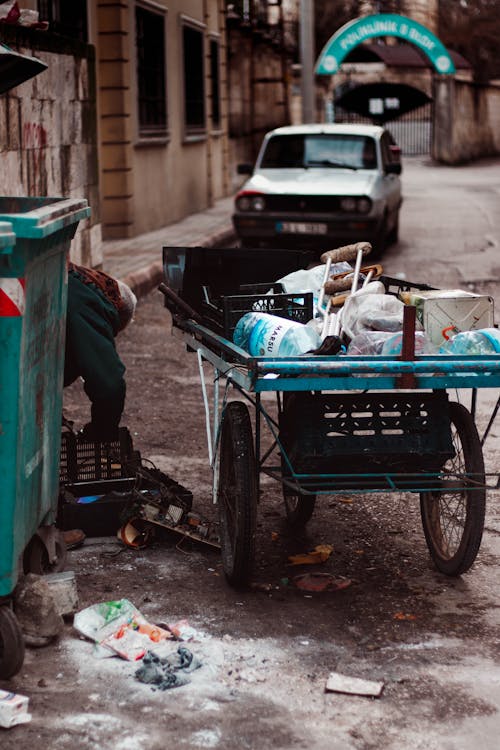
(13, 709)
(451, 311)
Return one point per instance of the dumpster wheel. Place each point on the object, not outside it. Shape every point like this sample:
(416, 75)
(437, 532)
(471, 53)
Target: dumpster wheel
(36, 556)
(11, 643)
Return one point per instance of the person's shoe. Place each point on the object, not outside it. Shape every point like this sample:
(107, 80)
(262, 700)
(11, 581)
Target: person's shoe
(73, 538)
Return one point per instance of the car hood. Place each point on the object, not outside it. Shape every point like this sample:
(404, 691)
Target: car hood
(312, 181)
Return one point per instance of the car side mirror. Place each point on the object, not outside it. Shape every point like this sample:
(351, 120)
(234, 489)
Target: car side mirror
(244, 168)
(393, 168)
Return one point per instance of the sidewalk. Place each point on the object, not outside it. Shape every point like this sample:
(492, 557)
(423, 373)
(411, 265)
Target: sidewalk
(138, 260)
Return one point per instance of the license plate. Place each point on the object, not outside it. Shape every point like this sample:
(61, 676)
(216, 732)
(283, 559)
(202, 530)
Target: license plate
(300, 227)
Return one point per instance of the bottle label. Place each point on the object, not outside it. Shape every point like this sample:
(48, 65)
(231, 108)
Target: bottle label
(266, 339)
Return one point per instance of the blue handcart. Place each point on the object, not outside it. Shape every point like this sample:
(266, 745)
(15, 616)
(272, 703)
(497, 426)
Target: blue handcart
(357, 424)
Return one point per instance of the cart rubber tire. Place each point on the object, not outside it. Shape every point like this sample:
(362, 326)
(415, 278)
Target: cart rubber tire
(453, 522)
(36, 556)
(11, 643)
(237, 495)
(299, 508)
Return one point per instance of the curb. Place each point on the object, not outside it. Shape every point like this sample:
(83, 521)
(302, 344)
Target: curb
(147, 278)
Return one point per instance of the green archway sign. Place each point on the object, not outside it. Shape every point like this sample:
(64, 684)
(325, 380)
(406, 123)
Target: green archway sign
(383, 24)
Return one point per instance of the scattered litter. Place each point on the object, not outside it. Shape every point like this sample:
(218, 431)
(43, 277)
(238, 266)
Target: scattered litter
(320, 582)
(13, 709)
(265, 587)
(319, 554)
(404, 616)
(183, 631)
(64, 592)
(168, 671)
(119, 627)
(339, 683)
(136, 533)
(36, 611)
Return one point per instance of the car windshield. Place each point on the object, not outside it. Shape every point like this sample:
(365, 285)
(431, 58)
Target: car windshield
(339, 150)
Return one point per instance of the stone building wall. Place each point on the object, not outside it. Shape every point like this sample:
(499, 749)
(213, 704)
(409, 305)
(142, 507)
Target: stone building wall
(467, 121)
(48, 131)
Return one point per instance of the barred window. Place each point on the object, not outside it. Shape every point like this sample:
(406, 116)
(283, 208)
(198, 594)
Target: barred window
(66, 18)
(151, 80)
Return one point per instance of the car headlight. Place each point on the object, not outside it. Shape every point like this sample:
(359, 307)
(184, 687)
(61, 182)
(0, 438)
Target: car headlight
(353, 205)
(250, 201)
(348, 204)
(258, 203)
(364, 205)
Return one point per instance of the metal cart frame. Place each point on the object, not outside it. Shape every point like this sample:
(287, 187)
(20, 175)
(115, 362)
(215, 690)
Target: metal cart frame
(388, 421)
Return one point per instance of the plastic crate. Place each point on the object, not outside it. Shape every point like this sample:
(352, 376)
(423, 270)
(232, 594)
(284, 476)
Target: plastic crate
(223, 315)
(98, 483)
(92, 461)
(366, 433)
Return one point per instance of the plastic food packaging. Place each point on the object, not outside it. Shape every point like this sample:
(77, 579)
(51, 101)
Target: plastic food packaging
(120, 627)
(368, 342)
(13, 709)
(484, 341)
(375, 312)
(311, 279)
(264, 335)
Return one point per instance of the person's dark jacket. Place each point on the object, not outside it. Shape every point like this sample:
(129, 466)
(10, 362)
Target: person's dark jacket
(91, 326)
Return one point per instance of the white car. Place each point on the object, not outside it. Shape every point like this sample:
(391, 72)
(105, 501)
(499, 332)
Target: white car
(321, 186)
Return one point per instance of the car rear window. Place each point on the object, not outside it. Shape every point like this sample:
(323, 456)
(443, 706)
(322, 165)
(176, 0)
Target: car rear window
(298, 151)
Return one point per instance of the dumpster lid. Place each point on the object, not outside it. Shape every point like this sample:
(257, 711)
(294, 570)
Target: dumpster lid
(16, 68)
(7, 235)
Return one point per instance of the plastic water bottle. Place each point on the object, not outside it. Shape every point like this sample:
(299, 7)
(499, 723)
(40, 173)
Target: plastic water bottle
(482, 341)
(264, 335)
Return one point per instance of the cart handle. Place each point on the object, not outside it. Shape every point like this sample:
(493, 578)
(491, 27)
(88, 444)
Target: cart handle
(182, 308)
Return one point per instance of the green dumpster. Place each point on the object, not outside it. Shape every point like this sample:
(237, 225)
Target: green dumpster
(35, 237)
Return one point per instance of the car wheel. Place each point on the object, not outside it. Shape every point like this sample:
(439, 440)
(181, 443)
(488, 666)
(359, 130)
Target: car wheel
(380, 241)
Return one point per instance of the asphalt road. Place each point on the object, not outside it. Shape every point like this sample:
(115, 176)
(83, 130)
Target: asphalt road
(267, 653)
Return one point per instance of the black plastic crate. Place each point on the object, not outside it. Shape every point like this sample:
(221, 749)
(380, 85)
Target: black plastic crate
(222, 315)
(89, 461)
(366, 433)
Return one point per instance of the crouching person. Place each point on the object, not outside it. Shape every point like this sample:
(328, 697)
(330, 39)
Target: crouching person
(99, 307)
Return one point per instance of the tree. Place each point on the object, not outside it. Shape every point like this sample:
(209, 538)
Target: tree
(472, 27)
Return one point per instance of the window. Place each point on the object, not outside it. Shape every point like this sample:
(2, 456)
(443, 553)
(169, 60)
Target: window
(215, 82)
(194, 84)
(151, 88)
(297, 151)
(66, 18)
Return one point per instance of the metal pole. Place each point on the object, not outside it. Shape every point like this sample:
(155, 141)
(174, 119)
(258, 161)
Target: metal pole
(306, 59)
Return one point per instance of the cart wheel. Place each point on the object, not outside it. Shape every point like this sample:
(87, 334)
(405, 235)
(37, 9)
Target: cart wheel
(11, 644)
(237, 497)
(453, 521)
(299, 508)
(36, 556)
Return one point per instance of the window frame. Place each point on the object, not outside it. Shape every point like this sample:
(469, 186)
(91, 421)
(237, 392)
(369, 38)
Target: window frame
(216, 125)
(160, 134)
(193, 132)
